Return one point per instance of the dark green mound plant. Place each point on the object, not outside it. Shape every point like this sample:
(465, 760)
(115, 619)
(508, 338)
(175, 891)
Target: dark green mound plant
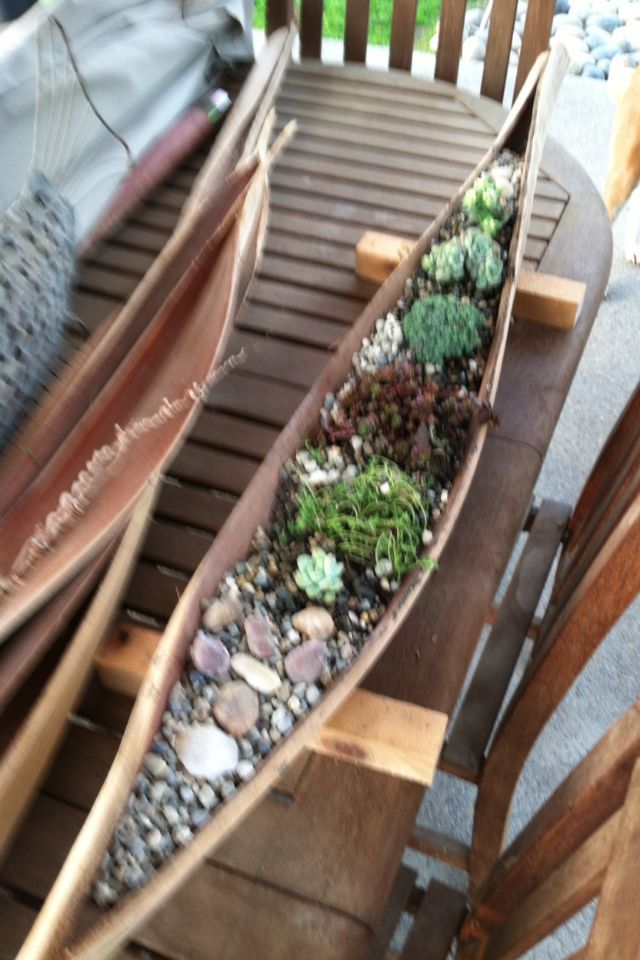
(377, 515)
(439, 326)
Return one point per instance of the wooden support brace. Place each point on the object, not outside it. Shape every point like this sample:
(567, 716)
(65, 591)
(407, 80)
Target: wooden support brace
(540, 297)
(390, 736)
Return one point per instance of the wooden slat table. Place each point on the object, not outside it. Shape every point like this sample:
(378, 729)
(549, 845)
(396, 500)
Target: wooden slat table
(309, 873)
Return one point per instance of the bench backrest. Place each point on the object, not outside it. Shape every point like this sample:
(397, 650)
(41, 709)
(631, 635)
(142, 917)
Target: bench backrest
(535, 37)
(598, 576)
(583, 843)
(585, 840)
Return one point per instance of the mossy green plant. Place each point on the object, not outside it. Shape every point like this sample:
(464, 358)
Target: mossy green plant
(376, 516)
(439, 326)
(485, 206)
(319, 575)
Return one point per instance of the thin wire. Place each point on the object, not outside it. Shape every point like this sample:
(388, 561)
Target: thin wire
(85, 91)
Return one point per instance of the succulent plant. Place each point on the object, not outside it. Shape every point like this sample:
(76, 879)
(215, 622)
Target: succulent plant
(403, 415)
(445, 262)
(437, 327)
(483, 259)
(485, 205)
(319, 575)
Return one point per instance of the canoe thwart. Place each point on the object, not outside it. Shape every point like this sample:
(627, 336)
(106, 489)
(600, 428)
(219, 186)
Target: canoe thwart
(544, 298)
(378, 254)
(380, 733)
(540, 297)
(383, 734)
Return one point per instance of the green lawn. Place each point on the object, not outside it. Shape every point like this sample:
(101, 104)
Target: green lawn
(379, 21)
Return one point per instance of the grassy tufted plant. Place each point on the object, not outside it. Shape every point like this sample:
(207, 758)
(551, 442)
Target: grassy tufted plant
(377, 515)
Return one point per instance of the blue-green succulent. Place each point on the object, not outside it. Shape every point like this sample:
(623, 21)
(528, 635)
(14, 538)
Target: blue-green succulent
(483, 259)
(319, 575)
(445, 262)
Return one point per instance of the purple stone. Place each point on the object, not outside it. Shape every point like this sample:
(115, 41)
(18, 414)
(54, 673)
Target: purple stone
(259, 637)
(210, 656)
(304, 664)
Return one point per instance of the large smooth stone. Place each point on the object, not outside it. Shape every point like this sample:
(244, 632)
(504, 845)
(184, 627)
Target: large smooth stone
(206, 751)
(236, 708)
(258, 675)
(629, 11)
(596, 37)
(221, 613)
(605, 51)
(474, 48)
(589, 70)
(578, 61)
(314, 623)
(259, 637)
(474, 16)
(210, 656)
(566, 19)
(304, 664)
(606, 21)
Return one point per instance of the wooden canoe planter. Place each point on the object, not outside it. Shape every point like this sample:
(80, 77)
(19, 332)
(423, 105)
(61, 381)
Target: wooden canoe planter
(170, 335)
(66, 926)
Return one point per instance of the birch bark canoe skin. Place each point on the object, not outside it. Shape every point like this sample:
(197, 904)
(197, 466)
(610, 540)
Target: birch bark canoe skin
(168, 336)
(30, 753)
(55, 933)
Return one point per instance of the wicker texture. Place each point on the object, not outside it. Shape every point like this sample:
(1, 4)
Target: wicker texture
(36, 269)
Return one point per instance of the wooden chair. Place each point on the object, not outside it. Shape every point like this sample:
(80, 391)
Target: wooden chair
(534, 40)
(585, 840)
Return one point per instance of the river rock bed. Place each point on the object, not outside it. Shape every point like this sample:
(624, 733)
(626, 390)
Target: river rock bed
(289, 619)
(597, 33)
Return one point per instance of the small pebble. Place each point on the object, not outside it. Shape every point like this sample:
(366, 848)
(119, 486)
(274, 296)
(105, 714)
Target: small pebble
(220, 613)
(245, 770)
(315, 623)
(257, 674)
(237, 708)
(259, 637)
(156, 766)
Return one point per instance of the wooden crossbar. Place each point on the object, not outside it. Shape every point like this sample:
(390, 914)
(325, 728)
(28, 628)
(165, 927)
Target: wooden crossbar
(540, 297)
(379, 733)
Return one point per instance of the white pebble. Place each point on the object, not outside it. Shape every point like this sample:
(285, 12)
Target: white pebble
(427, 537)
(245, 770)
(181, 835)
